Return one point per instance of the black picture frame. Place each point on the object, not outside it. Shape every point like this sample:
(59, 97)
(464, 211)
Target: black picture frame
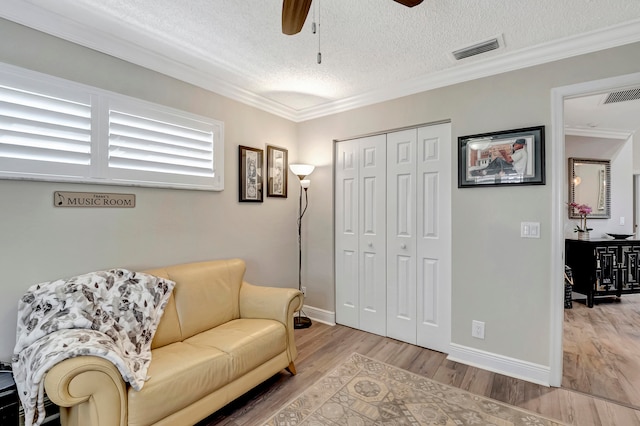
(277, 171)
(488, 159)
(250, 173)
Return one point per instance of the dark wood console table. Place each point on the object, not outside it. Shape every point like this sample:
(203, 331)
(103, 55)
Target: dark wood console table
(604, 267)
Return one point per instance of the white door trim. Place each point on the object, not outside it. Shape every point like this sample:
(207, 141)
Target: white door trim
(558, 173)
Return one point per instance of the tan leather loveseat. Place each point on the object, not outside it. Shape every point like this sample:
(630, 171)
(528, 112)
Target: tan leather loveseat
(218, 338)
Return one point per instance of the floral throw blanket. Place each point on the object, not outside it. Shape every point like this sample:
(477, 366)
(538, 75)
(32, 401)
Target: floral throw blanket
(110, 314)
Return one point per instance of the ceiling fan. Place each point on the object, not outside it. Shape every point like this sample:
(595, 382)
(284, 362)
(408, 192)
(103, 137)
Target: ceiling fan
(294, 13)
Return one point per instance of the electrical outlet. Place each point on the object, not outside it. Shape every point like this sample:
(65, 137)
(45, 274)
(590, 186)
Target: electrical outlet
(477, 329)
(304, 291)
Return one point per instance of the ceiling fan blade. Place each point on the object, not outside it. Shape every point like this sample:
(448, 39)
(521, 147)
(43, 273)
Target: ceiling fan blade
(294, 13)
(409, 3)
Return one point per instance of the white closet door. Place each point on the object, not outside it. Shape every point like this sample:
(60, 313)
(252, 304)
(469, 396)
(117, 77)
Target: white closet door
(361, 234)
(393, 235)
(401, 235)
(346, 223)
(372, 239)
(434, 237)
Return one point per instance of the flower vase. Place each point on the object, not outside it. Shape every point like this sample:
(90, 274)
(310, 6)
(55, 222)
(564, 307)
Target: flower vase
(583, 235)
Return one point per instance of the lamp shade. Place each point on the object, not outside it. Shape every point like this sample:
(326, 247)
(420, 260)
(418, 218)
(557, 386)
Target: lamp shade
(305, 183)
(301, 170)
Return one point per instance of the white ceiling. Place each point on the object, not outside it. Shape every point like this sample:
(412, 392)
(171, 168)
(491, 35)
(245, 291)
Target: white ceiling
(372, 50)
(590, 116)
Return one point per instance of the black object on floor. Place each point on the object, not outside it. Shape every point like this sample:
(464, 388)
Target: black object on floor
(301, 322)
(9, 404)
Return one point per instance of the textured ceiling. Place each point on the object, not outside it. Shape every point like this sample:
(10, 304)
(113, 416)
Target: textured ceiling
(367, 45)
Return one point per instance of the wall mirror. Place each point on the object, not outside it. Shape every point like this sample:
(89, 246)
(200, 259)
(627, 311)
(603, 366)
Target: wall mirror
(590, 184)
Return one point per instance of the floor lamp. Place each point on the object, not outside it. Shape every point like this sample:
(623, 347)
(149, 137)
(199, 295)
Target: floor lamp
(302, 171)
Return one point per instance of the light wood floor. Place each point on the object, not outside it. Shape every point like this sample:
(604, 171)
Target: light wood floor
(602, 349)
(323, 347)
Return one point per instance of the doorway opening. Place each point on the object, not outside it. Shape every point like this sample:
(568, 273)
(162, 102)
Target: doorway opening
(559, 196)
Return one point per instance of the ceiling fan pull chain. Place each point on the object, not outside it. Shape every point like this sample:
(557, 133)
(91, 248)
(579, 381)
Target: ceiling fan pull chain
(319, 53)
(313, 23)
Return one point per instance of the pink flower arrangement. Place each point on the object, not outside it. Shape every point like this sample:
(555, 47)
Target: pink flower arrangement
(583, 210)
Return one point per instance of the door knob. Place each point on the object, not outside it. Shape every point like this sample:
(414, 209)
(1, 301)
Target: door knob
(370, 244)
(403, 246)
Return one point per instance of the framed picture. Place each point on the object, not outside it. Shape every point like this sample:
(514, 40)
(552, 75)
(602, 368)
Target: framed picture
(511, 157)
(251, 160)
(277, 164)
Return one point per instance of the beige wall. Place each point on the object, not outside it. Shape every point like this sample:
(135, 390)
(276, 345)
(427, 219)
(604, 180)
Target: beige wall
(39, 242)
(498, 277)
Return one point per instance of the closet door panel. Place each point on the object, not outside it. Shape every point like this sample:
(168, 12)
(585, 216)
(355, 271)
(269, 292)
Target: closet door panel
(401, 235)
(347, 255)
(427, 286)
(372, 235)
(393, 235)
(404, 214)
(428, 291)
(430, 216)
(434, 237)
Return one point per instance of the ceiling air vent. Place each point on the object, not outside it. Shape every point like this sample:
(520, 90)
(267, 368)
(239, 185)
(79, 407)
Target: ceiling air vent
(623, 95)
(478, 48)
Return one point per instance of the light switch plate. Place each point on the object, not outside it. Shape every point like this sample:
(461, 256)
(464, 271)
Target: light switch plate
(530, 229)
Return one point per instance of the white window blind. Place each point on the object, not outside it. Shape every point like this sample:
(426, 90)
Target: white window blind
(147, 143)
(138, 143)
(52, 129)
(44, 134)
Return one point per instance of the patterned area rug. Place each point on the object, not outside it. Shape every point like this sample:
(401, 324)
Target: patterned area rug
(363, 392)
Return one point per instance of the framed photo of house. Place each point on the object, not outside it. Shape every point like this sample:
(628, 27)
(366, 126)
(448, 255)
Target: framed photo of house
(511, 157)
(277, 164)
(251, 161)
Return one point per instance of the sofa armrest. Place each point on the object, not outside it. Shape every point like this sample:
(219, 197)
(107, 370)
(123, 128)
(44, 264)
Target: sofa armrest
(89, 391)
(273, 303)
(269, 302)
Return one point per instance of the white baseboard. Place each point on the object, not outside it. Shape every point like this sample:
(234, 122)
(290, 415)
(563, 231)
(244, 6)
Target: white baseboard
(500, 364)
(320, 315)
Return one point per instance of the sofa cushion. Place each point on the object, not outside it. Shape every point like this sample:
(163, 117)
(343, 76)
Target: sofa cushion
(206, 295)
(179, 374)
(248, 342)
(168, 330)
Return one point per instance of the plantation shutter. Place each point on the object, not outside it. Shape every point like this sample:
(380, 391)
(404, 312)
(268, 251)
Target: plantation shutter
(164, 147)
(138, 143)
(57, 130)
(44, 134)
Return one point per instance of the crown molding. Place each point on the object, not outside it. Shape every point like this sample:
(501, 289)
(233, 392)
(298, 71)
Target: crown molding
(598, 133)
(146, 52)
(182, 65)
(560, 49)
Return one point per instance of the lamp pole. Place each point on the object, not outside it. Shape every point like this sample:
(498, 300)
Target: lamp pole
(300, 214)
(300, 321)
(302, 171)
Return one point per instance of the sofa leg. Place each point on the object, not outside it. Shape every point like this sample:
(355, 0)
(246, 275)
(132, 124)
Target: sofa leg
(292, 368)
